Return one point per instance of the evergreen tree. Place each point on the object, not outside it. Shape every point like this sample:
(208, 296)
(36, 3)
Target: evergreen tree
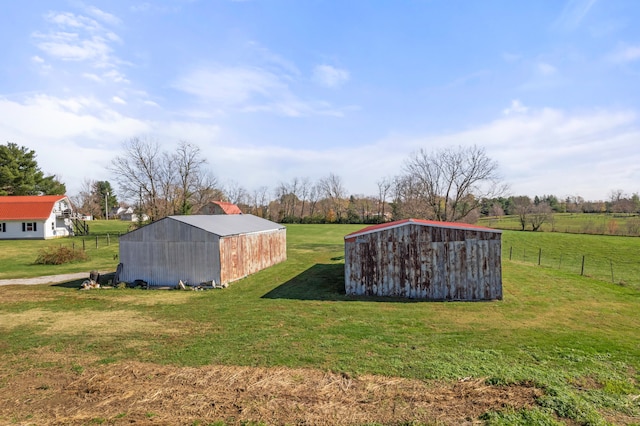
(21, 175)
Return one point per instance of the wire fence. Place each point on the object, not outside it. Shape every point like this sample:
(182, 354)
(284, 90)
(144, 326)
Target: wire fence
(624, 272)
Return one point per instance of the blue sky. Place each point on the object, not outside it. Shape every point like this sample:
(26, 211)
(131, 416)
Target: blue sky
(273, 89)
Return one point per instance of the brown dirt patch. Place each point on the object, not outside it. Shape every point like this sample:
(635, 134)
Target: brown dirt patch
(18, 294)
(77, 322)
(142, 393)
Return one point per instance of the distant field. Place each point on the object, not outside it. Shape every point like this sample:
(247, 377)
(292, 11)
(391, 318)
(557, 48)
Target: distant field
(574, 339)
(575, 223)
(607, 258)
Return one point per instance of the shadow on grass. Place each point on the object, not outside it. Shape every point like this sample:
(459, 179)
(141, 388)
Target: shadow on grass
(320, 282)
(325, 282)
(104, 280)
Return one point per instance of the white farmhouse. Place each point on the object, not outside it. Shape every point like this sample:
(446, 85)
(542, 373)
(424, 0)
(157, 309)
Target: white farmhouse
(35, 217)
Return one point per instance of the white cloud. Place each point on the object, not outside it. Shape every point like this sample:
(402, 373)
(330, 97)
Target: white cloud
(329, 76)
(79, 38)
(116, 76)
(546, 69)
(231, 86)
(103, 16)
(85, 128)
(37, 59)
(118, 100)
(70, 20)
(250, 89)
(540, 151)
(69, 47)
(92, 77)
(625, 54)
(516, 107)
(574, 13)
(511, 57)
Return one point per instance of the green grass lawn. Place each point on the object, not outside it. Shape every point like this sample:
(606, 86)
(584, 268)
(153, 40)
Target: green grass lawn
(576, 337)
(608, 258)
(17, 257)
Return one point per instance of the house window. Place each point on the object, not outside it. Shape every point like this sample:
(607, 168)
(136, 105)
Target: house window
(3, 227)
(29, 227)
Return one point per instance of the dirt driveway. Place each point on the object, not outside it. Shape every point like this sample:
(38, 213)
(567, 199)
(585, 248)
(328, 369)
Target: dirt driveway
(48, 279)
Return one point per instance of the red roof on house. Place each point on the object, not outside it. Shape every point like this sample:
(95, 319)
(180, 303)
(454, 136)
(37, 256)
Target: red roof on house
(27, 206)
(452, 225)
(228, 208)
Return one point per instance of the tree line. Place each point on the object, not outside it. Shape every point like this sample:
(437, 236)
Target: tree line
(458, 184)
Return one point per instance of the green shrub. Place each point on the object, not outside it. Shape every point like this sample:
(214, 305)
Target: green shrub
(60, 255)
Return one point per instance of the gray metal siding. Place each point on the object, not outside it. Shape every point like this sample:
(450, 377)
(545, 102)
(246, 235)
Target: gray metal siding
(168, 251)
(424, 262)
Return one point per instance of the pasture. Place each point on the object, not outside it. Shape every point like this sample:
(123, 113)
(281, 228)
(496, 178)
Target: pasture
(286, 346)
(623, 224)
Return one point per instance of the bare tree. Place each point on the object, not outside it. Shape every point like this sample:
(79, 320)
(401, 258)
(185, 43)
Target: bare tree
(305, 188)
(259, 202)
(314, 195)
(189, 163)
(333, 190)
(86, 201)
(522, 207)
(235, 193)
(164, 183)
(137, 173)
(496, 210)
(454, 181)
(539, 214)
(206, 189)
(384, 187)
(408, 200)
(288, 197)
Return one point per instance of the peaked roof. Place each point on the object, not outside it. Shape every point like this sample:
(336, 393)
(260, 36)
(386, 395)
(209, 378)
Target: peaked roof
(228, 208)
(226, 225)
(17, 207)
(422, 222)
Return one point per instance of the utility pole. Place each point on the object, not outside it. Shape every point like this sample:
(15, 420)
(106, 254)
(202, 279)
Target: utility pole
(106, 205)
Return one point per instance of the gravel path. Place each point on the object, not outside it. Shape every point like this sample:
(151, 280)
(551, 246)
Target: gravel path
(48, 279)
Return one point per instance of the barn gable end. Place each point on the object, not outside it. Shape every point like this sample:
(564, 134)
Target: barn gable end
(424, 260)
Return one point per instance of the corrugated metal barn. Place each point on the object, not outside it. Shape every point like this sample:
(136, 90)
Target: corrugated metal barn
(201, 248)
(422, 259)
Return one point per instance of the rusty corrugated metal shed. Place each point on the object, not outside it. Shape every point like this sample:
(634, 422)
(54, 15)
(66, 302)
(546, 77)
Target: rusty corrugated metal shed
(415, 258)
(198, 249)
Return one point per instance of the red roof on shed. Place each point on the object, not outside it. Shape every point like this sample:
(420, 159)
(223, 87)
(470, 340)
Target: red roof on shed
(19, 207)
(228, 208)
(452, 225)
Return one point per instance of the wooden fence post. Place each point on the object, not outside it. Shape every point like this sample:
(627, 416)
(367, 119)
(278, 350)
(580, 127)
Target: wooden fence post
(582, 269)
(539, 255)
(611, 264)
(83, 246)
(510, 252)
(96, 241)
